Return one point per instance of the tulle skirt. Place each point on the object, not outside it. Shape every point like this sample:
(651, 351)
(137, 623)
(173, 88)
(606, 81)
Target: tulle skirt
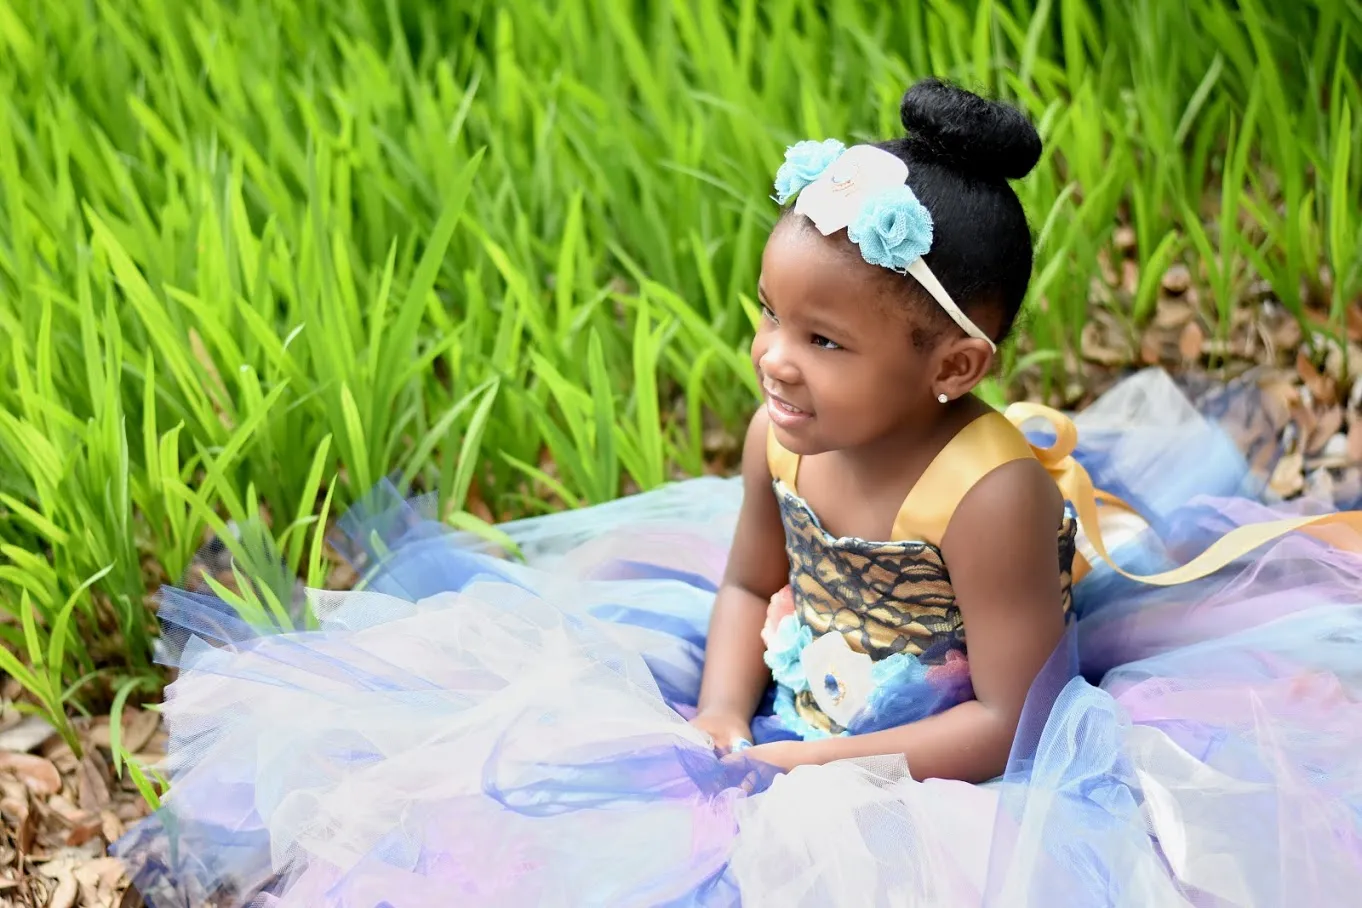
(476, 730)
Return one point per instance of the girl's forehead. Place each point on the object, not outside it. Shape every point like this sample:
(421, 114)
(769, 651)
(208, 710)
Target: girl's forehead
(803, 270)
(799, 257)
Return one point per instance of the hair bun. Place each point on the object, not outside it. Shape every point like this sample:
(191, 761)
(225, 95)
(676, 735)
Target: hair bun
(981, 138)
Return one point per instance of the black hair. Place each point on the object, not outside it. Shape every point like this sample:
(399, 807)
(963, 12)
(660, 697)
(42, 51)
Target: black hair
(961, 150)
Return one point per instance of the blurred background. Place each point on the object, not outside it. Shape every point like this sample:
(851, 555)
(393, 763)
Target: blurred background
(257, 255)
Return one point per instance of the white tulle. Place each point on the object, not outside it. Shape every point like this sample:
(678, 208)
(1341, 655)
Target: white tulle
(511, 742)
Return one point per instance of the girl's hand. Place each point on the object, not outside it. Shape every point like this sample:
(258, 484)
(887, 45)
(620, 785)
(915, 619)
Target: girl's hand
(726, 728)
(784, 755)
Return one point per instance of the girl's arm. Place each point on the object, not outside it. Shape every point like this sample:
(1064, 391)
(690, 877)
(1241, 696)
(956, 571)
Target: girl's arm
(1002, 551)
(735, 676)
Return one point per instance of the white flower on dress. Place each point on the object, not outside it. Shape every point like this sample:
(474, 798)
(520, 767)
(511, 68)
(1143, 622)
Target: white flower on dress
(840, 678)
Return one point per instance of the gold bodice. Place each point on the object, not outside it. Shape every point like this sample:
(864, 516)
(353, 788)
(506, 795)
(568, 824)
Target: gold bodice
(896, 596)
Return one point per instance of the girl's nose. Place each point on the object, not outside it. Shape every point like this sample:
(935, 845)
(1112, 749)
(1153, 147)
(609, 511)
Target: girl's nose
(776, 362)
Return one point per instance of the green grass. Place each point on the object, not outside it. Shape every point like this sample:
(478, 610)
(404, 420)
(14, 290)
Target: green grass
(256, 255)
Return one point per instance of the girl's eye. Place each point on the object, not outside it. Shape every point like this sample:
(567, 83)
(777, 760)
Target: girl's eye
(821, 341)
(767, 313)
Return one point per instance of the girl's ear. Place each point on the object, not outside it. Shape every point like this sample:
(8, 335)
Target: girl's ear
(958, 365)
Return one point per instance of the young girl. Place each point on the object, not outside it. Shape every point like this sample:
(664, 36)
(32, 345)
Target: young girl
(947, 663)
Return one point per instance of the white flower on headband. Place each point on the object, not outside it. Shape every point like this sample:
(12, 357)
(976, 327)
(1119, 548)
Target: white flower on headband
(835, 198)
(865, 191)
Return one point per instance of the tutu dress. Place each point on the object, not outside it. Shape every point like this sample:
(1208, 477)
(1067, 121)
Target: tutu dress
(468, 729)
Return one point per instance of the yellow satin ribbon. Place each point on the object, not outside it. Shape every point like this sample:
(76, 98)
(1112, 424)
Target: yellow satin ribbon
(1077, 487)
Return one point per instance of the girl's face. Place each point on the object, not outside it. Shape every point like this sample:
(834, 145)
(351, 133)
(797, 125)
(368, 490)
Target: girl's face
(834, 352)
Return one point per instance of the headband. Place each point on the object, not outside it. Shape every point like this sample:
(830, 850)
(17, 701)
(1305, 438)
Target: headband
(865, 190)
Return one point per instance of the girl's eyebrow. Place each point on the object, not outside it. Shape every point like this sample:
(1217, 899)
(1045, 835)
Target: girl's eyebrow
(814, 322)
(829, 329)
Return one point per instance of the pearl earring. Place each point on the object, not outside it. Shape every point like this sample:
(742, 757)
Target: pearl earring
(942, 398)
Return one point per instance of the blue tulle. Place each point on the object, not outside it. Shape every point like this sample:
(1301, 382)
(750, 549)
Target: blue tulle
(472, 730)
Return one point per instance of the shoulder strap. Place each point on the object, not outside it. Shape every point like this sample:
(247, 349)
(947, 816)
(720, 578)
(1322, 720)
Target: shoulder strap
(784, 464)
(977, 450)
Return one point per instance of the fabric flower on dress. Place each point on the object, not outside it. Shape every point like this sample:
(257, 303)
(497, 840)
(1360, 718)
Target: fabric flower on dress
(780, 607)
(804, 162)
(952, 671)
(893, 229)
(840, 678)
(783, 653)
(898, 670)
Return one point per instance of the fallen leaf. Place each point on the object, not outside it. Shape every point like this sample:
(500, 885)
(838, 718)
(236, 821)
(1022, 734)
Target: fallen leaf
(1123, 238)
(64, 896)
(1177, 279)
(12, 788)
(1326, 427)
(98, 733)
(154, 749)
(105, 873)
(59, 752)
(1173, 313)
(65, 809)
(1095, 349)
(82, 825)
(718, 440)
(1280, 398)
(31, 732)
(138, 727)
(1151, 351)
(1286, 334)
(1321, 386)
(99, 880)
(27, 829)
(1190, 342)
(1355, 323)
(129, 811)
(38, 774)
(1355, 442)
(111, 826)
(94, 787)
(477, 505)
(1288, 477)
(1130, 276)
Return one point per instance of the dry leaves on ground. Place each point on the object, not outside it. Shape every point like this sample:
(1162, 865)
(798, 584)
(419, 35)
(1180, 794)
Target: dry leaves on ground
(60, 812)
(1312, 385)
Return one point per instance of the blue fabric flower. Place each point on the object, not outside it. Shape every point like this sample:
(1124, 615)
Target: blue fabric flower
(896, 670)
(902, 695)
(805, 162)
(893, 229)
(783, 655)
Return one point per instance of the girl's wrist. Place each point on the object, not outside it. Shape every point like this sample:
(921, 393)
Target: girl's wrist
(723, 708)
(822, 750)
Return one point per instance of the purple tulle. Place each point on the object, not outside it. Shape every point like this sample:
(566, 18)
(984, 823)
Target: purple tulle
(473, 730)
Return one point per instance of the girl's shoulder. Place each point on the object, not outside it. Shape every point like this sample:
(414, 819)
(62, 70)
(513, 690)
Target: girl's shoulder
(988, 446)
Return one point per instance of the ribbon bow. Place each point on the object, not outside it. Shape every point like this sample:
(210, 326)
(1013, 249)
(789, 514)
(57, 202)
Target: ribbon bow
(1077, 487)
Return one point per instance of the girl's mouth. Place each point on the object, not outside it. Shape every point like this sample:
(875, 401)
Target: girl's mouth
(783, 413)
